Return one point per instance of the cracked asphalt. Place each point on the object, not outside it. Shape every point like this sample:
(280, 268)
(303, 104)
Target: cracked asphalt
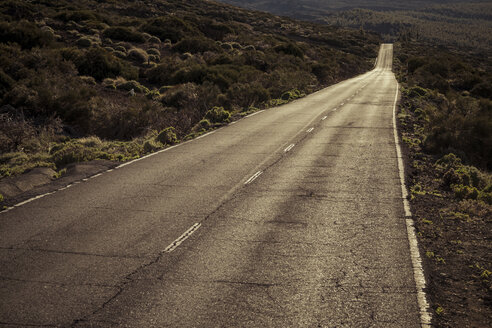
(309, 235)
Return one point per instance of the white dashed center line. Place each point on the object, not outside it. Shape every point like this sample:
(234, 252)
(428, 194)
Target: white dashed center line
(289, 148)
(310, 130)
(182, 238)
(253, 178)
(324, 118)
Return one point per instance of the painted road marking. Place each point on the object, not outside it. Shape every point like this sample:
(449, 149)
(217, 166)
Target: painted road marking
(206, 134)
(310, 130)
(324, 118)
(253, 178)
(289, 148)
(182, 238)
(258, 112)
(418, 272)
(342, 104)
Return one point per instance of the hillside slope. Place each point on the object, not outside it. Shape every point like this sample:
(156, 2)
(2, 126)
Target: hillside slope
(450, 22)
(117, 79)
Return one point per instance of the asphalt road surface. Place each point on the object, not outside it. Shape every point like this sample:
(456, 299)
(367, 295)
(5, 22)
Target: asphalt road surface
(292, 217)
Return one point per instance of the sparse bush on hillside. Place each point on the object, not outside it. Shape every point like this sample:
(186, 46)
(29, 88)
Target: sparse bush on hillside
(218, 115)
(168, 27)
(99, 63)
(290, 49)
(122, 33)
(82, 81)
(84, 42)
(24, 33)
(195, 45)
(167, 136)
(138, 55)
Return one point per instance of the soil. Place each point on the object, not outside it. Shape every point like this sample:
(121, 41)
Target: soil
(455, 243)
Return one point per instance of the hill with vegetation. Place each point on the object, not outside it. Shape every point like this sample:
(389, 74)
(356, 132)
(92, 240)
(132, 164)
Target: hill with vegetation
(450, 22)
(83, 80)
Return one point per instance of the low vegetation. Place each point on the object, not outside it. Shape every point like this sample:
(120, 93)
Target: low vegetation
(451, 22)
(446, 124)
(102, 79)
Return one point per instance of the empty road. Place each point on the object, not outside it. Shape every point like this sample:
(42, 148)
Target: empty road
(292, 217)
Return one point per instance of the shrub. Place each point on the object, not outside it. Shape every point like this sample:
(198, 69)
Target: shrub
(84, 42)
(289, 49)
(154, 40)
(167, 136)
(6, 83)
(120, 48)
(292, 95)
(154, 51)
(100, 64)
(196, 45)
(129, 85)
(24, 33)
(77, 16)
(88, 79)
(120, 54)
(152, 145)
(138, 55)
(465, 192)
(71, 152)
(168, 27)
(204, 124)
(417, 91)
(249, 48)
(226, 46)
(122, 33)
(218, 115)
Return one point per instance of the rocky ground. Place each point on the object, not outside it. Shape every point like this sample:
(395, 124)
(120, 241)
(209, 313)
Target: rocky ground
(454, 232)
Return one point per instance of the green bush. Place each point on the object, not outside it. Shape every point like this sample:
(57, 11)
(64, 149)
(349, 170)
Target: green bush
(152, 145)
(218, 115)
(204, 124)
(167, 136)
(465, 192)
(122, 33)
(72, 152)
(292, 95)
(129, 85)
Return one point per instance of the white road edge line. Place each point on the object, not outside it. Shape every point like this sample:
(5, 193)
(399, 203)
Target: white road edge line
(289, 148)
(258, 112)
(182, 238)
(253, 178)
(418, 272)
(310, 130)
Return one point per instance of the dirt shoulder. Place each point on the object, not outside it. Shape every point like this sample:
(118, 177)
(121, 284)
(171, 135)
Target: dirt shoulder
(453, 228)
